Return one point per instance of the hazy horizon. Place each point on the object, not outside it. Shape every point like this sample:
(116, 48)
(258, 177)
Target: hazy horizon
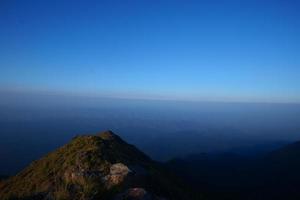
(6, 92)
(33, 124)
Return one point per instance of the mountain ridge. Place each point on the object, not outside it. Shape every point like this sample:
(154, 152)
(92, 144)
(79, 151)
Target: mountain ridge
(91, 167)
(270, 176)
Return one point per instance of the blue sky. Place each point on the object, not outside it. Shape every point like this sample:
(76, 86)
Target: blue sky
(186, 50)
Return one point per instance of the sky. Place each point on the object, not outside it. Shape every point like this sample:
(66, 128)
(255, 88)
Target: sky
(184, 50)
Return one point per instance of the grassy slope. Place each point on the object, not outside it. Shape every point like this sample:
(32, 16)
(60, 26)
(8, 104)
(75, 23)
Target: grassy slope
(93, 153)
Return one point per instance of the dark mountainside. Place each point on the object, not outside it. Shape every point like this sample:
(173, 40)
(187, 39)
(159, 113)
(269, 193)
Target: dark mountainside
(103, 166)
(92, 167)
(230, 176)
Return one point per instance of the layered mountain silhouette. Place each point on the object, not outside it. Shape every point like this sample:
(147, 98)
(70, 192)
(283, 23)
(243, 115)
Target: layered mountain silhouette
(275, 175)
(101, 166)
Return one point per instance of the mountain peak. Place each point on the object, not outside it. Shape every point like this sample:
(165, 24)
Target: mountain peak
(108, 135)
(101, 166)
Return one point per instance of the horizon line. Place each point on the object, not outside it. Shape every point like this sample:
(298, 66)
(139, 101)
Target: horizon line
(103, 95)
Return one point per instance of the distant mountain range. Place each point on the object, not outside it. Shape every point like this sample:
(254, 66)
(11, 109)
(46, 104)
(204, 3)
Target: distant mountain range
(275, 175)
(103, 166)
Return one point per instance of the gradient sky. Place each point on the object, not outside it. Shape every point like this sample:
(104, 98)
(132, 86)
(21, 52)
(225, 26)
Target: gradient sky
(194, 50)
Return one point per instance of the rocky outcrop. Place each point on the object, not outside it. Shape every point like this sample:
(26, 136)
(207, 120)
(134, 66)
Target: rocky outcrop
(117, 174)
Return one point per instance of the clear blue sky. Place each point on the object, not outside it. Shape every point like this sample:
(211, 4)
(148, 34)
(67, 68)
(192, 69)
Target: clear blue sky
(194, 50)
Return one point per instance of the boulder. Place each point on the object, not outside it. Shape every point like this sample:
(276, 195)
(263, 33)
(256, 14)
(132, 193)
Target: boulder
(117, 174)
